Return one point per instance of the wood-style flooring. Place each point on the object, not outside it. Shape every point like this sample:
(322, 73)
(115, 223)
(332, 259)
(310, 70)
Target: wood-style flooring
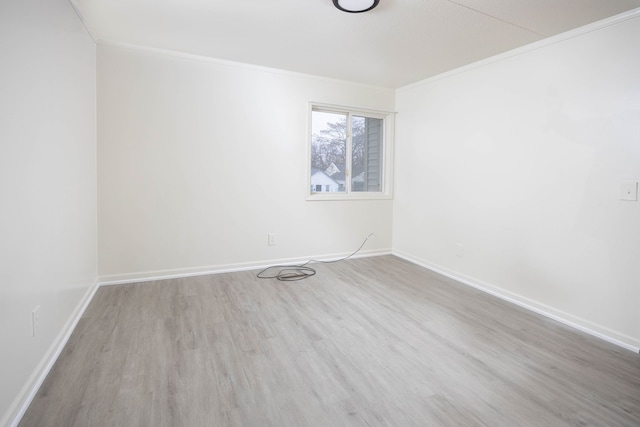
(366, 342)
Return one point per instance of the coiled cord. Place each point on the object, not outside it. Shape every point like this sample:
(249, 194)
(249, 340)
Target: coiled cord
(294, 272)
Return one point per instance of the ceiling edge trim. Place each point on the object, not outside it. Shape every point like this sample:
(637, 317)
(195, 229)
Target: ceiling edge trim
(78, 12)
(562, 37)
(229, 63)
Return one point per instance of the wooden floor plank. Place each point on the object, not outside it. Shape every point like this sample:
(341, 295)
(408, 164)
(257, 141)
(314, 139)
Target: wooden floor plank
(367, 342)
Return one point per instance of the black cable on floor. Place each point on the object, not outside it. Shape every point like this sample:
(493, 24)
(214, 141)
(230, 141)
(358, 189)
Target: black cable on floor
(293, 272)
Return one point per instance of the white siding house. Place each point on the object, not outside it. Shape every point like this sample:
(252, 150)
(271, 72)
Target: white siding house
(321, 182)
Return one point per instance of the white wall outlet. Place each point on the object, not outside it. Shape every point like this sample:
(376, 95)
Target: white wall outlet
(35, 321)
(272, 239)
(459, 250)
(629, 191)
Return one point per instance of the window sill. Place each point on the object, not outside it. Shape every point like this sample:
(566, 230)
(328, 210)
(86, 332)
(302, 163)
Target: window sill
(348, 197)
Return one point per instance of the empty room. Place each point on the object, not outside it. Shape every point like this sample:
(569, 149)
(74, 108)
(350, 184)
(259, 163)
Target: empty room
(319, 213)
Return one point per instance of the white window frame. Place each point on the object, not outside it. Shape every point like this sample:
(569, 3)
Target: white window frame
(388, 118)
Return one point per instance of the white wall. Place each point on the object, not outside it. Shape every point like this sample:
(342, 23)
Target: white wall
(48, 201)
(520, 160)
(199, 160)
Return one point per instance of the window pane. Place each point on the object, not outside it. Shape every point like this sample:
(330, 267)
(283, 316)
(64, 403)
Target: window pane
(366, 164)
(328, 151)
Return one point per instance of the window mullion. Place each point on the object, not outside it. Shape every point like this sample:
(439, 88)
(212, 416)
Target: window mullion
(347, 175)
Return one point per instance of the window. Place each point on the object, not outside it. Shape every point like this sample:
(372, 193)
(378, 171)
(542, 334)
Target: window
(350, 153)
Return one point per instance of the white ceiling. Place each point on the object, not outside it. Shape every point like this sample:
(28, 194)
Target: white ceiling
(397, 43)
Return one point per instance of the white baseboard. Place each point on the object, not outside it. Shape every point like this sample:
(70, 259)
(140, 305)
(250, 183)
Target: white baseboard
(583, 325)
(147, 276)
(24, 399)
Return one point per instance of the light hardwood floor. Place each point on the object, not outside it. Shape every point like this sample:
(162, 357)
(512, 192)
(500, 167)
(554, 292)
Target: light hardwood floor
(366, 342)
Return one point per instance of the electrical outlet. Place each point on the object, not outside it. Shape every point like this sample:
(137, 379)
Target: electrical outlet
(459, 250)
(629, 191)
(35, 321)
(272, 239)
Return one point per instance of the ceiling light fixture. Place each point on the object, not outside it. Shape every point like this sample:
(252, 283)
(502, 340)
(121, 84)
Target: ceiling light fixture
(355, 6)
